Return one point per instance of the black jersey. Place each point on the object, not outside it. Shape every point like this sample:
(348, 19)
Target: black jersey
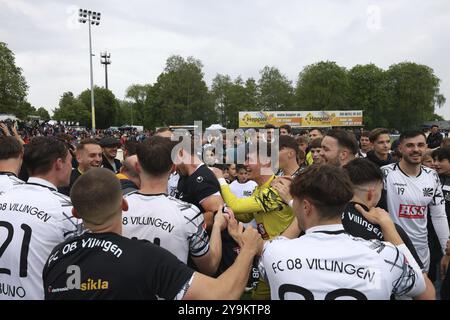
(358, 226)
(109, 266)
(198, 186)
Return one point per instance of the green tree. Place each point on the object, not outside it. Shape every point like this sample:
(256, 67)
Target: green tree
(24, 109)
(413, 93)
(13, 87)
(275, 90)
(367, 92)
(230, 97)
(322, 86)
(181, 95)
(72, 109)
(142, 107)
(106, 106)
(42, 113)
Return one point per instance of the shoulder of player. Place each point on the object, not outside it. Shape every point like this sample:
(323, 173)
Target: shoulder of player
(63, 200)
(184, 207)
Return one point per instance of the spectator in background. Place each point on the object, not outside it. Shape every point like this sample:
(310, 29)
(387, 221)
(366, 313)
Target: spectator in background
(285, 130)
(435, 138)
(315, 147)
(110, 146)
(364, 145)
(381, 142)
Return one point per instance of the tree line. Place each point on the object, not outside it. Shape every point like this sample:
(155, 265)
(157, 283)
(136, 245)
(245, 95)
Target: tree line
(402, 97)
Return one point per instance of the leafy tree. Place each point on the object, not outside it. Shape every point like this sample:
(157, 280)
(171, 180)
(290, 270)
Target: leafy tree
(367, 92)
(413, 93)
(275, 90)
(13, 87)
(24, 109)
(72, 109)
(181, 94)
(322, 86)
(106, 106)
(42, 113)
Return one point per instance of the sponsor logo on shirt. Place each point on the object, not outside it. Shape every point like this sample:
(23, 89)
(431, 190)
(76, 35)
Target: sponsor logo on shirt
(427, 192)
(410, 211)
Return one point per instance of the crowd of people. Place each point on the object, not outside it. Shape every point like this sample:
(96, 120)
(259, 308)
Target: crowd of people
(317, 215)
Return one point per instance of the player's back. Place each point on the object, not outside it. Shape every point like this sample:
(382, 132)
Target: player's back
(33, 220)
(171, 223)
(8, 181)
(327, 263)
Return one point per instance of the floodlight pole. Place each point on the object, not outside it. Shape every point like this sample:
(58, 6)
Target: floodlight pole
(91, 17)
(104, 59)
(92, 76)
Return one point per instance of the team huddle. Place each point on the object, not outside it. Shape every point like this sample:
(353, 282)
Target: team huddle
(332, 217)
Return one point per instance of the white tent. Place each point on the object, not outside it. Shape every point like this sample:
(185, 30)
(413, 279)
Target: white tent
(216, 126)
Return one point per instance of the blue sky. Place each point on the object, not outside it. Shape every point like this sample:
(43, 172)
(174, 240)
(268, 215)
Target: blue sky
(235, 37)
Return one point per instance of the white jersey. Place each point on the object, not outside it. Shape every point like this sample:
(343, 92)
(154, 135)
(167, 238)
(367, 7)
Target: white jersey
(34, 218)
(243, 190)
(8, 181)
(173, 224)
(328, 264)
(173, 184)
(409, 198)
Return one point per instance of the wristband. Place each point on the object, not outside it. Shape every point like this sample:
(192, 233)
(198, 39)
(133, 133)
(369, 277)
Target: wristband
(291, 203)
(222, 181)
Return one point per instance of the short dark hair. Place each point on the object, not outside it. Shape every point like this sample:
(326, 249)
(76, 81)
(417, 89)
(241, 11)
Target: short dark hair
(162, 129)
(315, 143)
(441, 154)
(345, 139)
(154, 155)
(410, 134)
(96, 195)
(326, 186)
(131, 147)
(322, 132)
(287, 128)
(10, 148)
(269, 126)
(41, 152)
(288, 142)
(362, 171)
(434, 125)
(240, 167)
(375, 133)
(85, 142)
(365, 134)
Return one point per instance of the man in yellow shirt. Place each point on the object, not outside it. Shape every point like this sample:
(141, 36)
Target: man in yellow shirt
(270, 212)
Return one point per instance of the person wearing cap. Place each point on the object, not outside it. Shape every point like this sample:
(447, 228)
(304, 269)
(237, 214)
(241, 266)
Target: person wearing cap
(110, 146)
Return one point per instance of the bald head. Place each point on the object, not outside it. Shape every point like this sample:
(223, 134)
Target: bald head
(97, 196)
(129, 167)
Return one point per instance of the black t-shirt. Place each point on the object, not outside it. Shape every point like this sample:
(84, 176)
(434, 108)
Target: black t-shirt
(193, 189)
(355, 224)
(109, 266)
(198, 186)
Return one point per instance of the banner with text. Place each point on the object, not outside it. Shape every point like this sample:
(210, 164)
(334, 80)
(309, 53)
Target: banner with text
(305, 119)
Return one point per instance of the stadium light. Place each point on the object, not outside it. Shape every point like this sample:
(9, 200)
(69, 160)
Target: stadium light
(91, 18)
(105, 59)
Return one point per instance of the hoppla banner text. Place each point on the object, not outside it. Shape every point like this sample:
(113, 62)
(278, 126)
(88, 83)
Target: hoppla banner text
(306, 119)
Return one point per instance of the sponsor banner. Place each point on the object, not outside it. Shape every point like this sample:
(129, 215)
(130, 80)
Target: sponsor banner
(306, 119)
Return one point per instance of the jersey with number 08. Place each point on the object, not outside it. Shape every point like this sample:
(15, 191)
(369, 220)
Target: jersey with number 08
(328, 264)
